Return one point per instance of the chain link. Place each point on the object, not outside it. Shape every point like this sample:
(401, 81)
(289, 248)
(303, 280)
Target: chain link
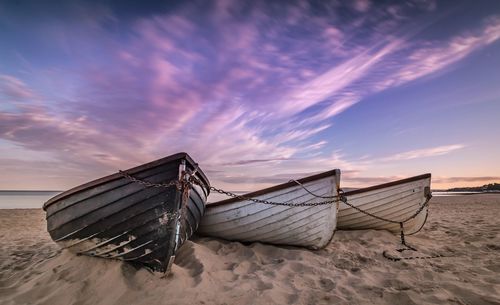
(420, 209)
(145, 183)
(334, 199)
(397, 259)
(291, 204)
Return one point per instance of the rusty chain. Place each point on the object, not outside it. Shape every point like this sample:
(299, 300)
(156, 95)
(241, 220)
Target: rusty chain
(291, 204)
(195, 180)
(340, 197)
(145, 183)
(335, 199)
(397, 259)
(421, 208)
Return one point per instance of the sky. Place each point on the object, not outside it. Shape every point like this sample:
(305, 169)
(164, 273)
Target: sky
(257, 92)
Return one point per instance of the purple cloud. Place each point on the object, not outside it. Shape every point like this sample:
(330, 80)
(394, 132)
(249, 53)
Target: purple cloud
(14, 89)
(234, 84)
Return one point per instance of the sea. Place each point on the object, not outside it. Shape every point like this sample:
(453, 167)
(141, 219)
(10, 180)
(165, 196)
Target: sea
(438, 193)
(36, 199)
(25, 199)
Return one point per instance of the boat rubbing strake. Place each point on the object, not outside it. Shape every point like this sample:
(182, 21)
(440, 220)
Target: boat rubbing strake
(141, 215)
(396, 200)
(248, 221)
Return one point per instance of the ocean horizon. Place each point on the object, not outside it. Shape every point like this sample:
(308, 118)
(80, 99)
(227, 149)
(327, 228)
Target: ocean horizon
(12, 199)
(15, 199)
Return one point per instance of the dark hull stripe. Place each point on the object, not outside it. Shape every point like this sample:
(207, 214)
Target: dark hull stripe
(198, 201)
(147, 257)
(131, 194)
(121, 239)
(123, 220)
(95, 193)
(113, 221)
(138, 246)
(124, 211)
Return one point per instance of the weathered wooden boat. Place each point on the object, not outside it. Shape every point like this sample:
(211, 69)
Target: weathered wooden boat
(311, 226)
(396, 200)
(140, 215)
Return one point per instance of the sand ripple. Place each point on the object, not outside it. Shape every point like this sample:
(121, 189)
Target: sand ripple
(351, 270)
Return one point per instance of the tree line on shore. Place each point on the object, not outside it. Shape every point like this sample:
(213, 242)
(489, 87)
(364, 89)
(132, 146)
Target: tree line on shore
(492, 187)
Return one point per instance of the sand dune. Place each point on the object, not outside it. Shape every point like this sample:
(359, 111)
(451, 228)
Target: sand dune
(351, 270)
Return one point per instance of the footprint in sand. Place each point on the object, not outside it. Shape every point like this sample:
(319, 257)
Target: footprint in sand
(186, 258)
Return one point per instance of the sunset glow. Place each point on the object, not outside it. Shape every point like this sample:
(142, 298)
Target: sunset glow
(257, 92)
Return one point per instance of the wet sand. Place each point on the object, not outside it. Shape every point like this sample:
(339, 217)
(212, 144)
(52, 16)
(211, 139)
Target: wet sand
(351, 270)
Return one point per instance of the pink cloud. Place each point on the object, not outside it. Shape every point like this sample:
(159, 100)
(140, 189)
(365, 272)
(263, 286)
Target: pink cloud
(424, 153)
(437, 56)
(14, 88)
(232, 99)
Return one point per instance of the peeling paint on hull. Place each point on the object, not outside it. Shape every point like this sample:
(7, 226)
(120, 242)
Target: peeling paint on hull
(116, 218)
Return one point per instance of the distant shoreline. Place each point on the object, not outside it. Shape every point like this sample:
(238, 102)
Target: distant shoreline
(28, 191)
(466, 192)
(17, 193)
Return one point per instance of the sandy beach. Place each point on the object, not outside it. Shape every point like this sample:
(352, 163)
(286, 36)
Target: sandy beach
(351, 270)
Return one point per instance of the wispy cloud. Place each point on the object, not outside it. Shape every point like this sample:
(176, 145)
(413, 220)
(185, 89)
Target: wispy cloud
(398, 62)
(424, 153)
(13, 88)
(435, 56)
(236, 85)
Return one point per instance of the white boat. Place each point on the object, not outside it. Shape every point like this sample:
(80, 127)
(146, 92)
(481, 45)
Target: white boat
(396, 200)
(247, 221)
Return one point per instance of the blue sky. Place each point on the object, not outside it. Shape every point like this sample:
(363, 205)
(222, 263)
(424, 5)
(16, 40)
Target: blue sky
(257, 92)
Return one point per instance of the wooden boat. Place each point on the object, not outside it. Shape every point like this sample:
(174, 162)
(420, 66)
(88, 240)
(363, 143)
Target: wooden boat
(123, 216)
(247, 221)
(396, 200)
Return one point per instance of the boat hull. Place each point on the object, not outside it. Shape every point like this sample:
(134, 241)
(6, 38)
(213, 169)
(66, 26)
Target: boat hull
(396, 200)
(247, 221)
(115, 217)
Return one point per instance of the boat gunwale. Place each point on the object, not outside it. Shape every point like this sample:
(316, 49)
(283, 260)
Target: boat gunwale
(133, 170)
(275, 188)
(388, 184)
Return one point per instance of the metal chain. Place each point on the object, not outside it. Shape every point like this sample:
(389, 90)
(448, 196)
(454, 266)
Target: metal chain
(397, 259)
(335, 199)
(175, 183)
(341, 197)
(421, 208)
(324, 197)
(291, 204)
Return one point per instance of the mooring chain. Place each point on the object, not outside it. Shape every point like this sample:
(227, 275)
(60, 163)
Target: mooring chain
(193, 179)
(146, 183)
(343, 198)
(421, 208)
(334, 199)
(397, 259)
(291, 204)
(318, 196)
